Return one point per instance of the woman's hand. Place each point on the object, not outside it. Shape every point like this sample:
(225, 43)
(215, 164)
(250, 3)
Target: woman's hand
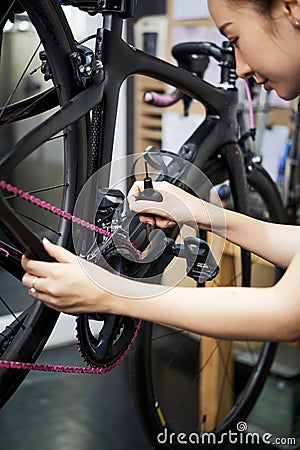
(65, 285)
(177, 206)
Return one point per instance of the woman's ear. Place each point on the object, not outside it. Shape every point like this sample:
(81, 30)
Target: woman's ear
(292, 12)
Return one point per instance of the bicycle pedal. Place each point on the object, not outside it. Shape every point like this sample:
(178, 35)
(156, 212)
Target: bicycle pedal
(201, 264)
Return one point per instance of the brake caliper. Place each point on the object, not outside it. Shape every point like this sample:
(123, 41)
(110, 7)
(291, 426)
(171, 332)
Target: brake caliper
(83, 63)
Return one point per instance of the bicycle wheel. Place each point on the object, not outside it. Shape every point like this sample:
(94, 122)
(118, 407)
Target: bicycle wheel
(185, 384)
(55, 171)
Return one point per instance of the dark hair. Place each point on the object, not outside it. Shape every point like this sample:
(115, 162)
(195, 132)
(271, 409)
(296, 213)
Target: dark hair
(263, 6)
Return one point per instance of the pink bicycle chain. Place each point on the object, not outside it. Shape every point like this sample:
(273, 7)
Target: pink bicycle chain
(51, 367)
(70, 369)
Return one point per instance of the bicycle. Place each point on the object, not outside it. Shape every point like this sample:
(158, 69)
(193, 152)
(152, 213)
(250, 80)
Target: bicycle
(288, 172)
(82, 79)
(150, 390)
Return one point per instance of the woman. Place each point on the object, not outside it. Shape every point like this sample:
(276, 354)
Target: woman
(266, 37)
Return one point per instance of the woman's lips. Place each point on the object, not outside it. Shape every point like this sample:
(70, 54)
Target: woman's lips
(267, 85)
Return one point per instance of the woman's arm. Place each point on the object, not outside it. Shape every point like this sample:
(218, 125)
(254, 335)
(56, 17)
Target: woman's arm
(73, 285)
(275, 243)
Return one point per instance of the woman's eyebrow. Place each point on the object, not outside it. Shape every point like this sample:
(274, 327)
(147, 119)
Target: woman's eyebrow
(223, 28)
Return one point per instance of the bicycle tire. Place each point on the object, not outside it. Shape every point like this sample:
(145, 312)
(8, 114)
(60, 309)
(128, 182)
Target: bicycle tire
(36, 323)
(150, 384)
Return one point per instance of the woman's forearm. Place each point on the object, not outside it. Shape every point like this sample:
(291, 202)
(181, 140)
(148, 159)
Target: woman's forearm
(74, 285)
(273, 242)
(223, 312)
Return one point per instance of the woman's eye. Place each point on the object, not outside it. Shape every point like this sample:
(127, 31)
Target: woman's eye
(234, 42)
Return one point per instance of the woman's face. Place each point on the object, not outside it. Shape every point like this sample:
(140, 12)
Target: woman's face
(270, 53)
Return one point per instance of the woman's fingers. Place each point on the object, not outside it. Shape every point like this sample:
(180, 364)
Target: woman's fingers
(38, 274)
(134, 191)
(41, 268)
(150, 212)
(53, 302)
(57, 252)
(159, 221)
(177, 206)
(30, 281)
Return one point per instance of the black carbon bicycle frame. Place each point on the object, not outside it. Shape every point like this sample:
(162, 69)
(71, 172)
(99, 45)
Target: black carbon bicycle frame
(120, 61)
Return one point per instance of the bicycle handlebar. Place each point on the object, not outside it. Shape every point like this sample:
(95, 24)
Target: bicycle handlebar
(194, 57)
(190, 54)
(186, 49)
(162, 100)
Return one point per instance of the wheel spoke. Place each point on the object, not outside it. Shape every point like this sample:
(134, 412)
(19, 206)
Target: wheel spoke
(11, 95)
(47, 170)
(9, 309)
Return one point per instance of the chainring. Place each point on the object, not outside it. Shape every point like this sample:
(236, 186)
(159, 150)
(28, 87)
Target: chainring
(104, 338)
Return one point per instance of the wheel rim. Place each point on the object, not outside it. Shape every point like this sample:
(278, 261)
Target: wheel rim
(58, 184)
(213, 402)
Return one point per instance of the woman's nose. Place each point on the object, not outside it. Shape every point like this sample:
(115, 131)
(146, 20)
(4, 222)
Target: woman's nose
(243, 70)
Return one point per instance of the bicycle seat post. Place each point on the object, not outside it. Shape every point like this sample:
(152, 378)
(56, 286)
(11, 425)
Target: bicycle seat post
(114, 13)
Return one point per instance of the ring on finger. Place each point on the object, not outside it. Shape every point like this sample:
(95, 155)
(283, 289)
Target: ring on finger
(34, 282)
(33, 289)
